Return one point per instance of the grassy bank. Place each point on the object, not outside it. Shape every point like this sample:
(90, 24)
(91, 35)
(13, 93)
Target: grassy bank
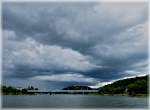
(135, 95)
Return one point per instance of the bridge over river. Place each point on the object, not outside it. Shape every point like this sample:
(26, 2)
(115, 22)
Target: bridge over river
(63, 91)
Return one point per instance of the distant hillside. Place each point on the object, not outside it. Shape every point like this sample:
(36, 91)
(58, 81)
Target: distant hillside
(131, 86)
(77, 88)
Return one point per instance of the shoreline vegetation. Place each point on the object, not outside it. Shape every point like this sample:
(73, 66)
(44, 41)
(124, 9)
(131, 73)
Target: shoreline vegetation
(137, 86)
(9, 90)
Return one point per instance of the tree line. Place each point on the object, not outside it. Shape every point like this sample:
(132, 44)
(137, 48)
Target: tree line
(130, 86)
(9, 90)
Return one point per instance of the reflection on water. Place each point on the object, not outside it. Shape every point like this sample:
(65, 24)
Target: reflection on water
(74, 101)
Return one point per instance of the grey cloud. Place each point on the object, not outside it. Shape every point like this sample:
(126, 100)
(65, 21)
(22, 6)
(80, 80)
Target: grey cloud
(70, 24)
(99, 40)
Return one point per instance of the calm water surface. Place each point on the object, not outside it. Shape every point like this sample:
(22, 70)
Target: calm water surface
(73, 101)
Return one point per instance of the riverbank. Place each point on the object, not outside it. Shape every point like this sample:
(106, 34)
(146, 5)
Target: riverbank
(135, 95)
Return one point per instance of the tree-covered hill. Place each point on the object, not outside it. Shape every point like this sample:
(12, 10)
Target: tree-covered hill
(77, 88)
(131, 86)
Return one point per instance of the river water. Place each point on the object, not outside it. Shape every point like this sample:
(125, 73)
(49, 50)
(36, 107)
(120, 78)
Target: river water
(73, 101)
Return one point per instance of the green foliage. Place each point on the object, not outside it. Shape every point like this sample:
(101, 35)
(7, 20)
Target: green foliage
(139, 86)
(24, 91)
(132, 86)
(14, 91)
(9, 90)
(77, 88)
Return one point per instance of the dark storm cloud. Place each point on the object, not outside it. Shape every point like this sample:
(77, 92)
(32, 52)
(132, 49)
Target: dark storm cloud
(43, 20)
(95, 42)
(68, 24)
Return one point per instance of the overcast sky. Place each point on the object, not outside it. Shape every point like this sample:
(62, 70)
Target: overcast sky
(54, 45)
